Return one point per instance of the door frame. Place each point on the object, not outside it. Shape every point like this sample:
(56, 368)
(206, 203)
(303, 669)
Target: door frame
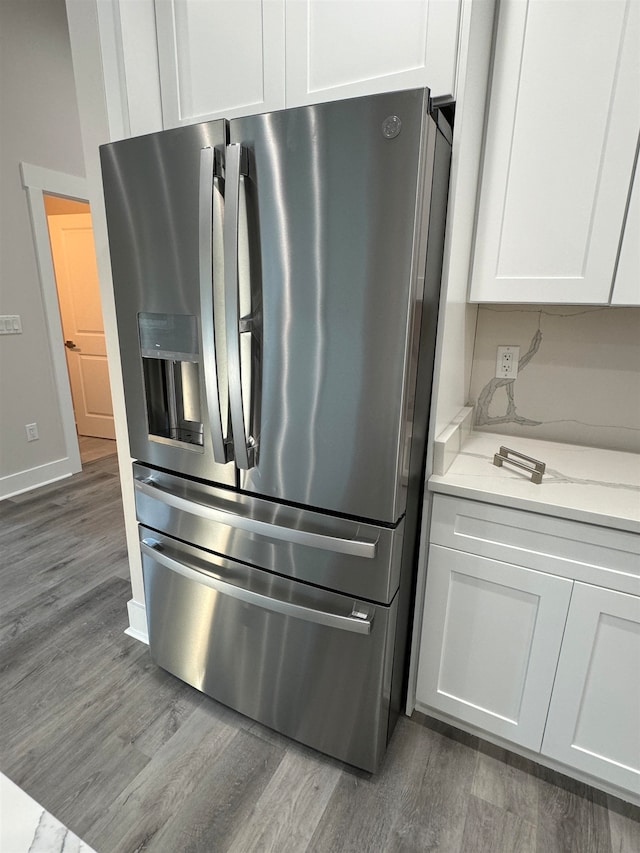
(37, 180)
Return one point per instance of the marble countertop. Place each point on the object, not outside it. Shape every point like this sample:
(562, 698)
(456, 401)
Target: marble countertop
(580, 483)
(25, 827)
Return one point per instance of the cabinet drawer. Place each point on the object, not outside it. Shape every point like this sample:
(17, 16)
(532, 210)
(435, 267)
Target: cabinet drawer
(585, 552)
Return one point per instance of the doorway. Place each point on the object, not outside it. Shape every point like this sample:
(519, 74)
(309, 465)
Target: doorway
(76, 278)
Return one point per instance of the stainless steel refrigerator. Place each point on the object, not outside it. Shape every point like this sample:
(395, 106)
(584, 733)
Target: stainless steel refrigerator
(276, 282)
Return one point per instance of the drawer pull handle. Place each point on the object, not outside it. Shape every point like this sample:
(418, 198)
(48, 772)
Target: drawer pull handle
(532, 466)
(359, 621)
(354, 547)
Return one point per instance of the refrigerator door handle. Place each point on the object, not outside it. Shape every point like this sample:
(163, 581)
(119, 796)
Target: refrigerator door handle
(353, 547)
(209, 265)
(358, 622)
(244, 446)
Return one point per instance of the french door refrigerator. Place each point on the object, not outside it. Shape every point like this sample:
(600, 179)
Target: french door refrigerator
(276, 281)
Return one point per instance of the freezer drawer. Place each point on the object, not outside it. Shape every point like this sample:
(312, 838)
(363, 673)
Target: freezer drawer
(348, 556)
(311, 664)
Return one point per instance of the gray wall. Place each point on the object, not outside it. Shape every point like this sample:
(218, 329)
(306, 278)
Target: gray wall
(40, 126)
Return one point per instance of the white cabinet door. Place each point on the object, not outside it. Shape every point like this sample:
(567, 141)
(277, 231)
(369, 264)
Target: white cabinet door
(561, 139)
(594, 719)
(490, 643)
(219, 58)
(346, 48)
(626, 288)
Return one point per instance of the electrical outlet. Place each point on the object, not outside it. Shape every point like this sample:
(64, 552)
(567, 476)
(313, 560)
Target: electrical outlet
(507, 359)
(32, 432)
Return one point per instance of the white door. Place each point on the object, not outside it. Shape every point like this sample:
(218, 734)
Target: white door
(347, 48)
(561, 139)
(594, 718)
(490, 643)
(74, 262)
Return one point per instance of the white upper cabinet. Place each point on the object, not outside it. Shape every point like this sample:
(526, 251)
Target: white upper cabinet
(176, 62)
(626, 287)
(346, 48)
(219, 58)
(561, 140)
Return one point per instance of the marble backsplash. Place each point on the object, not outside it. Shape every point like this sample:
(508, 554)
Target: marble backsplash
(578, 379)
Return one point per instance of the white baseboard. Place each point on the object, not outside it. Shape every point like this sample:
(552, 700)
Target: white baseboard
(33, 478)
(137, 622)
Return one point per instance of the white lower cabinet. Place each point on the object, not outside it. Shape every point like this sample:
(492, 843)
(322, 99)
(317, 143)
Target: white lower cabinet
(594, 717)
(490, 642)
(546, 660)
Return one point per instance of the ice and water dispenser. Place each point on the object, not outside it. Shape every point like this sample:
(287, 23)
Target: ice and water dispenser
(171, 366)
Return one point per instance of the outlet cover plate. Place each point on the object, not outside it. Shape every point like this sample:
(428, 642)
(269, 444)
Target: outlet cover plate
(507, 358)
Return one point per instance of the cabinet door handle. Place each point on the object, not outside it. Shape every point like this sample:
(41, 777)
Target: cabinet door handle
(525, 463)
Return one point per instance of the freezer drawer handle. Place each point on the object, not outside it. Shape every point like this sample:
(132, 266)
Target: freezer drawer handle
(353, 547)
(244, 447)
(358, 624)
(209, 262)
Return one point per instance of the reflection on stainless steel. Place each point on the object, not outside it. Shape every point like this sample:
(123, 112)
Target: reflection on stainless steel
(359, 620)
(356, 547)
(318, 683)
(340, 280)
(276, 281)
(341, 554)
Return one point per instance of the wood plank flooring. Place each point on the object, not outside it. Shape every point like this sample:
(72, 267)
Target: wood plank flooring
(92, 448)
(131, 759)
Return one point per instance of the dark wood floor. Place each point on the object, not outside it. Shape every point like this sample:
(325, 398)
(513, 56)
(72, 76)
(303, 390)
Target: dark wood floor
(131, 759)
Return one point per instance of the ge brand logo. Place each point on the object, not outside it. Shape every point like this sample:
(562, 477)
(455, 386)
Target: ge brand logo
(391, 127)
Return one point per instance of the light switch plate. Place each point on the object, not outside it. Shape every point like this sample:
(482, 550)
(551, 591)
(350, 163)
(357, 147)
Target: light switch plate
(10, 324)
